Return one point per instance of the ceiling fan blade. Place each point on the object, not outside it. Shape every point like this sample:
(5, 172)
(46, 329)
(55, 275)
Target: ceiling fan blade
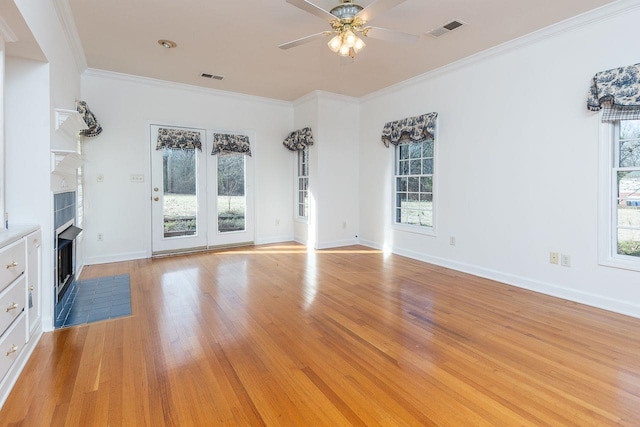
(390, 35)
(304, 40)
(376, 8)
(312, 9)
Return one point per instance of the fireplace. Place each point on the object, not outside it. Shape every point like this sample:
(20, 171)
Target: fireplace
(65, 254)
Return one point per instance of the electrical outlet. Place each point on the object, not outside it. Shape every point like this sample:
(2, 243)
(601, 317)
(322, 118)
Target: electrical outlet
(554, 257)
(565, 260)
(452, 240)
(100, 237)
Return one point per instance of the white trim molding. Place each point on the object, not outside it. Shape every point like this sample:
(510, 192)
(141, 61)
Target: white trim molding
(598, 301)
(65, 16)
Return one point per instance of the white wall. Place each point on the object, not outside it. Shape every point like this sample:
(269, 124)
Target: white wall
(338, 167)
(125, 105)
(517, 165)
(333, 169)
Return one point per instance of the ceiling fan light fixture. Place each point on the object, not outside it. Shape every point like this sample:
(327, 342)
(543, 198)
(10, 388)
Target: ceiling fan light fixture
(350, 38)
(335, 43)
(344, 50)
(358, 45)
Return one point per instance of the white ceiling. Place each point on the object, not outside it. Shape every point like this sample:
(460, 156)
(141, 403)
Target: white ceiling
(238, 40)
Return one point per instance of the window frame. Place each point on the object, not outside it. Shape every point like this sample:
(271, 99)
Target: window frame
(417, 229)
(607, 201)
(300, 157)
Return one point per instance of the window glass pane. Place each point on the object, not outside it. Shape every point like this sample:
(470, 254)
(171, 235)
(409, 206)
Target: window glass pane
(401, 184)
(427, 166)
(426, 184)
(231, 195)
(403, 168)
(404, 152)
(180, 205)
(630, 129)
(426, 218)
(427, 148)
(415, 167)
(630, 154)
(629, 242)
(414, 184)
(401, 200)
(629, 185)
(415, 150)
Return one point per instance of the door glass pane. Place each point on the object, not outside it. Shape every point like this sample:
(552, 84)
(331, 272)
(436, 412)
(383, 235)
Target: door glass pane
(180, 197)
(231, 192)
(628, 218)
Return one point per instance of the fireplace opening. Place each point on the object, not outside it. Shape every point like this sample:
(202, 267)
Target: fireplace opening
(66, 259)
(65, 266)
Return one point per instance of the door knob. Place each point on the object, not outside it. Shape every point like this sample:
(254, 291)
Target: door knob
(156, 198)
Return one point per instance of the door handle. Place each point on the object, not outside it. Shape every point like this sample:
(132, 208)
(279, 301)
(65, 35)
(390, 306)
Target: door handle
(155, 189)
(156, 198)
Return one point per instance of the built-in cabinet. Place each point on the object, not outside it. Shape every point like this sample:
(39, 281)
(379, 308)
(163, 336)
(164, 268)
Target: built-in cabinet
(20, 296)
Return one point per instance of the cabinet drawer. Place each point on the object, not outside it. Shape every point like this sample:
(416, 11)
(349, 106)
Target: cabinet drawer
(12, 301)
(11, 344)
(12, 263)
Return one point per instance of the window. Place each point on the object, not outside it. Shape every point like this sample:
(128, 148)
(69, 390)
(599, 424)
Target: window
(621, 241)
(414, 184)
(303, 183)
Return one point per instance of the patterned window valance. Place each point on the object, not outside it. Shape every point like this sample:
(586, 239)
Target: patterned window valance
(299, 139)
(617, 92)
(90, 119)
(178, 139)
(411, 129)
(228, 143)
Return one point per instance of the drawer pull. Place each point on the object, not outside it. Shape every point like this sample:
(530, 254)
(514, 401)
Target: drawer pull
(13, 349)
(13, 306)
(13, 264)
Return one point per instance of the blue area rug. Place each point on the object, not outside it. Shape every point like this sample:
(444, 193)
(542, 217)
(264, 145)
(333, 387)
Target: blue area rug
(100, 299)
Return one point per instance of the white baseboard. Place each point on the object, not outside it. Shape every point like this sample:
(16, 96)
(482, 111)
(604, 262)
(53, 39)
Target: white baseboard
(594, 300)
(337, 243)
(128, 256)
(275, 239)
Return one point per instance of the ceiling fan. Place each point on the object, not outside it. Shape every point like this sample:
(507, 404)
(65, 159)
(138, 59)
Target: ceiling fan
(349, 22)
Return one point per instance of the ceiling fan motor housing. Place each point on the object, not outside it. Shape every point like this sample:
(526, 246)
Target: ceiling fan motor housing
(346, 10)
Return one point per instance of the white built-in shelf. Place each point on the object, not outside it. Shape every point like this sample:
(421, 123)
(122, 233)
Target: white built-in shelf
(69, 123)
(65, 162)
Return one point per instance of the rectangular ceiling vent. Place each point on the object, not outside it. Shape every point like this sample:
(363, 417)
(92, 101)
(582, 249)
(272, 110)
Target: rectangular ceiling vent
(446, 28)
(211, 76)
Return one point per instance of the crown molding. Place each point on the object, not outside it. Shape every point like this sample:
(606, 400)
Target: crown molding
(148, 81)
(6, 34)
(321, 94)
(590, 17)
(65, 16)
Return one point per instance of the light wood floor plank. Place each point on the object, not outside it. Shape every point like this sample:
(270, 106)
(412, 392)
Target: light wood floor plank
(277, 335)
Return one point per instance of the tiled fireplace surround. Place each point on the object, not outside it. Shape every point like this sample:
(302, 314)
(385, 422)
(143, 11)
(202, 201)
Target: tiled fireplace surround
(64, 210)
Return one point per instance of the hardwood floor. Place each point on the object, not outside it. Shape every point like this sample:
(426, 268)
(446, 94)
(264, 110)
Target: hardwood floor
(273, 335)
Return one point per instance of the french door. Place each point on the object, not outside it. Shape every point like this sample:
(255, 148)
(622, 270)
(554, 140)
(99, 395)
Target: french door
(199, 200)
